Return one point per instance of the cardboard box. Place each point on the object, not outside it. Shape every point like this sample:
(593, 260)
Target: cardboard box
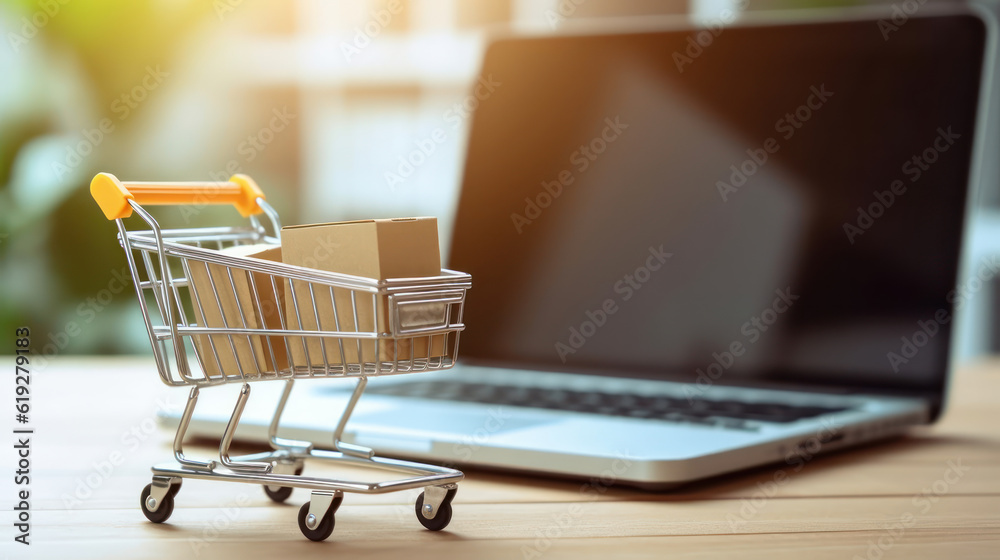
(251, 353)
(378, 249)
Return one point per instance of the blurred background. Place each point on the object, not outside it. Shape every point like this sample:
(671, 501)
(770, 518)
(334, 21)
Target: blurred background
(318, 101)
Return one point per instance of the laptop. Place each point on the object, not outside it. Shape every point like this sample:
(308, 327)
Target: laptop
(692, 252)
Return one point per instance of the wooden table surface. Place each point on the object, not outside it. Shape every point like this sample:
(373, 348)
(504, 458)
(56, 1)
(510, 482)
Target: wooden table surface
(935, 494)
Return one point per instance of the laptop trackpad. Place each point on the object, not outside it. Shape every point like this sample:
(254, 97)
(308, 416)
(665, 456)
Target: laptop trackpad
(447, 422)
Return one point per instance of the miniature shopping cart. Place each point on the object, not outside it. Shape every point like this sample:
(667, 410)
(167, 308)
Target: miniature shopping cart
(418, 309)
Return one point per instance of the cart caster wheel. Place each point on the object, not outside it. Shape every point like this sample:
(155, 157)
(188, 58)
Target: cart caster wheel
(279, 495)
(325, 527)
(283, 492)
(443, 517)
(163, 512)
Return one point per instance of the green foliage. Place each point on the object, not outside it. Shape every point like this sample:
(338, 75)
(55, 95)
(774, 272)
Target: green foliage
(57, 253)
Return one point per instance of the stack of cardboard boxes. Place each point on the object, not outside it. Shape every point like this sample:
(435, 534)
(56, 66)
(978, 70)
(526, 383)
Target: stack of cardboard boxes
(378, 249)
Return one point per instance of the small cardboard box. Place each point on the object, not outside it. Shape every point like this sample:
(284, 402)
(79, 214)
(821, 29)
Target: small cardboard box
(251, 353)
(378, 249)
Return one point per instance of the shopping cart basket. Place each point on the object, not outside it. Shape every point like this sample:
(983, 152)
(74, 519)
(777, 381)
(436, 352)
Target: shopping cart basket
(417, 309)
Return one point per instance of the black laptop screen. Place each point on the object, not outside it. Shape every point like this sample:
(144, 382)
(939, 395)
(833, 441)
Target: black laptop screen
(778, 202)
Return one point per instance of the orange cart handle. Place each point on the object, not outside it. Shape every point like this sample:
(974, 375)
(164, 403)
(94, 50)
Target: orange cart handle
(113, 195)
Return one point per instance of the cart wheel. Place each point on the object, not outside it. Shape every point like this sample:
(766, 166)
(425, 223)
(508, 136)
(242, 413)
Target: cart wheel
(279, 495)
(443, 517)
(284, 492)
(325, 527)
(163, 512)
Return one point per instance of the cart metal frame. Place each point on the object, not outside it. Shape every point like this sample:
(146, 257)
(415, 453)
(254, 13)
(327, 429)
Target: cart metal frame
(416, 309)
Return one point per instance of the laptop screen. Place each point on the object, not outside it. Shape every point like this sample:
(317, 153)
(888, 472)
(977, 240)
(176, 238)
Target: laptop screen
(744, 203)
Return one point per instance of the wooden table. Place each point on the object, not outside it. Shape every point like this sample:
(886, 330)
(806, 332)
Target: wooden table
(875, 502)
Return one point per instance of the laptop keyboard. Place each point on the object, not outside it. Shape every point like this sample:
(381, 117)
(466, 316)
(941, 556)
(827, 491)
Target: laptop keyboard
(724, 413)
